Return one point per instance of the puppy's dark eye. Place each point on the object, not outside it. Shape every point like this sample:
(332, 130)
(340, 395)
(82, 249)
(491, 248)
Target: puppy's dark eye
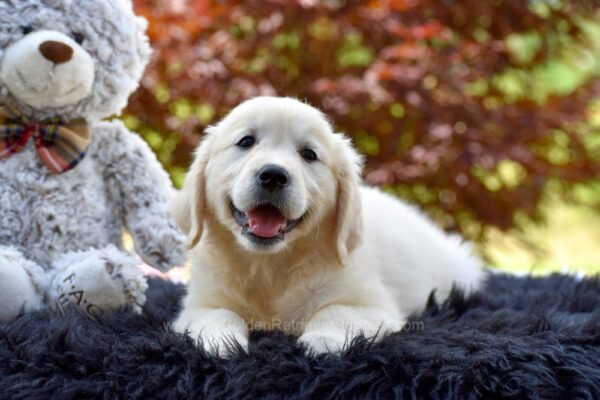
(246, 142)
(77, 37)
(308, 155)
(26, 29)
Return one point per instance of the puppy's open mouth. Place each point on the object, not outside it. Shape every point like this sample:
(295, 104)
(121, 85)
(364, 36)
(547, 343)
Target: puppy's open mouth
(264, 224)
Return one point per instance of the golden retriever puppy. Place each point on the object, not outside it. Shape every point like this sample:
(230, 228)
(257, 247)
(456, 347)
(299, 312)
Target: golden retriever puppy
(284, 236)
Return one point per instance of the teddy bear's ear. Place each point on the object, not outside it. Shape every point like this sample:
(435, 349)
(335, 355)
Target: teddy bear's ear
(189, 208)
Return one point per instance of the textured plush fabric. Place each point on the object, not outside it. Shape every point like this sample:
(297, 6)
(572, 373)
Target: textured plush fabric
(120, 183)
(522, 338)
(53, 223)
(113, 36)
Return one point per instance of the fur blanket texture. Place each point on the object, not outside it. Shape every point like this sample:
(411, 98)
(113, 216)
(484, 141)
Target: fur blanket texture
(520, 338)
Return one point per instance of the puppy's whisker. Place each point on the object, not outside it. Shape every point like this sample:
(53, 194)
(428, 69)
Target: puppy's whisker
(310, 214)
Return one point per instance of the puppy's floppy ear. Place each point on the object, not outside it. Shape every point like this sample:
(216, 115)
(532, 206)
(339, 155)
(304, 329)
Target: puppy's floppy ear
(349, 220)
(189, 207)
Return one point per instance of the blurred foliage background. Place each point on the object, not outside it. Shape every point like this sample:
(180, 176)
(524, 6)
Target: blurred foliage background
(484, 112)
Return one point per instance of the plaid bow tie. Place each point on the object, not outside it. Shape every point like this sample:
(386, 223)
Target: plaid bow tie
(60, 147)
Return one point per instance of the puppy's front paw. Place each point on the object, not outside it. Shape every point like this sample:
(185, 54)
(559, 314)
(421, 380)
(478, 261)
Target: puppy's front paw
(218, 331)
(319, 342)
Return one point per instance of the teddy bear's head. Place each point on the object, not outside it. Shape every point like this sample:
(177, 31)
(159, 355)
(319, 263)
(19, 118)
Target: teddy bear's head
(70, 58)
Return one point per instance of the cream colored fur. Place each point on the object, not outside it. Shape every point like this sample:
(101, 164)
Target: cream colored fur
(360, 262)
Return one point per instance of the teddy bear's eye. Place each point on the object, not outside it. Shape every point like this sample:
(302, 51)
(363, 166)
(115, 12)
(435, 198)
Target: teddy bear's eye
(78, 37)
(26, 29)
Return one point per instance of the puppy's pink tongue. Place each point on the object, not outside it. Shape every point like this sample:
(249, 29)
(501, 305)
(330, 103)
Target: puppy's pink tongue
(266, 221)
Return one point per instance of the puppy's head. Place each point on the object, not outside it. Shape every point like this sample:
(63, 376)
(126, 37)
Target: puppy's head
(271, 172)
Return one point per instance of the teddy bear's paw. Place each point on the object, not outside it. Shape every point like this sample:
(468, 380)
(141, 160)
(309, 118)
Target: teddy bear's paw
(21, 284)
(99, 281)
(161, 246)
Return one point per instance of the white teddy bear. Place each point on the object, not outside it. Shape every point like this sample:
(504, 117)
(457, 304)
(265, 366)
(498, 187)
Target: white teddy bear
(70, 183)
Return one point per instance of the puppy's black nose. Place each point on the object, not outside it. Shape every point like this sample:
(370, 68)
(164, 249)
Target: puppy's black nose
(272, 177)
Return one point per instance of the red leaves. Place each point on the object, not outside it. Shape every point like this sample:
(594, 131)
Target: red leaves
(425, 31)
(394, 5)
(405, 51)
(414, 82)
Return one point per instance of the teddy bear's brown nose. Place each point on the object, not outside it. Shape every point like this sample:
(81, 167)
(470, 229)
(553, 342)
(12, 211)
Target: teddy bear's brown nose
(56, 52)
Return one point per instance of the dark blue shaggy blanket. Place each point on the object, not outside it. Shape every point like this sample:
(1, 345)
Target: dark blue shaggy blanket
(522, 338)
